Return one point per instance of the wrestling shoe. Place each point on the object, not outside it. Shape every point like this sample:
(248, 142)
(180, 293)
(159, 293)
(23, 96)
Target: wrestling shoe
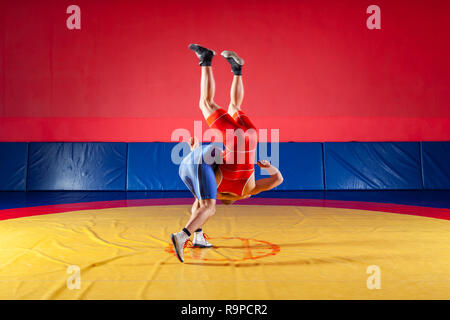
(234, 60)
(179, 241)
(205, 55)
(200, 240)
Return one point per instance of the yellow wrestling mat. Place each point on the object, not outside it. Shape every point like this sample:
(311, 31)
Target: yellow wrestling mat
(262, 252)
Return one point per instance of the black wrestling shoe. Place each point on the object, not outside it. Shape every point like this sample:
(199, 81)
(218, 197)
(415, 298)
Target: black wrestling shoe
(234, 60)
(205, 55)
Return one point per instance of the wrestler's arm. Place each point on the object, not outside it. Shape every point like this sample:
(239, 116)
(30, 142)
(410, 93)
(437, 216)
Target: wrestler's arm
(193, 143)
(273, 181)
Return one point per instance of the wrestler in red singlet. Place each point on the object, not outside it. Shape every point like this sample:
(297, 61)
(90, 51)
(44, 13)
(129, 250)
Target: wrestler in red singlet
(239, 158)
(235, 176)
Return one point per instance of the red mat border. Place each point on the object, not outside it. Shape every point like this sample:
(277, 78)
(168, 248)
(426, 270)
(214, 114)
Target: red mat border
(438, 213)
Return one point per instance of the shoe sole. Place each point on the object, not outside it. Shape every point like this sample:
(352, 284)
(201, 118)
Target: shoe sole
(193, 45)
(175, 247)
(201, 246)
(234, 56)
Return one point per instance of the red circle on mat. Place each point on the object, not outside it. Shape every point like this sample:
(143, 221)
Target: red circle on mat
(251, 249)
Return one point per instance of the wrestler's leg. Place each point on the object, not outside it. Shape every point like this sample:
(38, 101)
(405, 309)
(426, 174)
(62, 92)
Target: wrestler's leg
(199, 237)
(194, 208)
(195, 205)
(201, 213)
(236, 98)
(204, 210)
(207, 84)
(237, 87)
(236, 95)
(207, 91)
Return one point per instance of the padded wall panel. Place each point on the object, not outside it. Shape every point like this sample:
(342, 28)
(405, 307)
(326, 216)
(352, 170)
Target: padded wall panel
(436, 165)
(150, 167)
(300, 163)
(77, 166)
(372, 165)
(13, 166)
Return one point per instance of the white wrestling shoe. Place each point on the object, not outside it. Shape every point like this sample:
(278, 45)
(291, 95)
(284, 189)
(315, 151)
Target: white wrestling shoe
(232, 57)
(179, 239)
(235, 62)
(200, 241)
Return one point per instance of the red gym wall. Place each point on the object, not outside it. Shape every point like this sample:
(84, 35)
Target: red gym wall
(313, 69)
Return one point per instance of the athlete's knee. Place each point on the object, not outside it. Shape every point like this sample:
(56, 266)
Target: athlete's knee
(212, 210)
(205, 103)
(209, 205)
(194, 207)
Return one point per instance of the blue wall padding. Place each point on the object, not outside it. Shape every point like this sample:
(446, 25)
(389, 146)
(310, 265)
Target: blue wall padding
(77, 166)
(150, 167)
(372, 165)
(13, 166)
(341, 166)
(436, 165)
(300, 164)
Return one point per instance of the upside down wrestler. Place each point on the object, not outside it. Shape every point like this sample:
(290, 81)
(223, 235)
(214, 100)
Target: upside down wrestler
(232, 178)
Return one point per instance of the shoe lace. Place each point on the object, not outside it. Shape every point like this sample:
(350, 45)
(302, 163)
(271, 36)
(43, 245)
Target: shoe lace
(205, 236)
(187, 244)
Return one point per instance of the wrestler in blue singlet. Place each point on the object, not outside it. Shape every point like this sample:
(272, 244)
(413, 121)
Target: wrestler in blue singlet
(197, 172)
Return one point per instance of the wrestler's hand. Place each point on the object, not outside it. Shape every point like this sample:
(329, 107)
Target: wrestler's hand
(193, 143)
(263, 164)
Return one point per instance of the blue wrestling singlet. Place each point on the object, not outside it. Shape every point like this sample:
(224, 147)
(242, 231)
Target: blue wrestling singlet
(197, 172)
